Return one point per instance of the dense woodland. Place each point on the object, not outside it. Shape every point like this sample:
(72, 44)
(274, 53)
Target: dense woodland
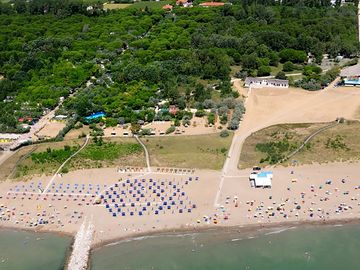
(124, 62)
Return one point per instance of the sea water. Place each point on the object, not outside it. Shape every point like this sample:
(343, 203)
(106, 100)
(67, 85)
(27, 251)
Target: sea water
(20, 250)
(285, 248)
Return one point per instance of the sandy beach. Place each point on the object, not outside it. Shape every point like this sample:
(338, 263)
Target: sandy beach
(299, 194)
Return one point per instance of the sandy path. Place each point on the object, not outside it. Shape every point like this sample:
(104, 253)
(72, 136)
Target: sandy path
(4, 155)
(147, 157)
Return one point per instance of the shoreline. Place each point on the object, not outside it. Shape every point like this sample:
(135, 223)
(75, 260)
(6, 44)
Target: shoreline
(243, 227)
(179, 230)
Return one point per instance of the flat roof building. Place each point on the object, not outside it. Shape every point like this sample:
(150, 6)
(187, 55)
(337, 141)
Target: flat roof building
(262, 82)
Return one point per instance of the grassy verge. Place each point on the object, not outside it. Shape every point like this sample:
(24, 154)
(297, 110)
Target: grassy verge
(267, 146)
(200, 151)
(42, 158)
(45, 158)
(112, 152)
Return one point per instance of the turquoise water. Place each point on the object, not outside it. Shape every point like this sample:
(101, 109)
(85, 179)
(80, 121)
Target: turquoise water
(322, 247)
(21, 250)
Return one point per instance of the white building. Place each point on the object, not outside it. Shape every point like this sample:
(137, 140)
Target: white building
(263, 179)
(263, 82)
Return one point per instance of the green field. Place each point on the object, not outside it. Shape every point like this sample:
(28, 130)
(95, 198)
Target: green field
(150, 4)
(198, 151)
(142, 4)
(339, 143)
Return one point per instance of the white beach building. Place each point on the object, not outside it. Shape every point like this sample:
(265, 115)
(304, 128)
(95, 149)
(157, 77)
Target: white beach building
(263, 82)
(262, 179)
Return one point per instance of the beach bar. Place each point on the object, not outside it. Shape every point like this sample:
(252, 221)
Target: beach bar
(262, 179)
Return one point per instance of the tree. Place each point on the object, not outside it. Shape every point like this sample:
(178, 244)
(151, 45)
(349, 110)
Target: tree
(264, 71)
(295, 56)
(250, 62)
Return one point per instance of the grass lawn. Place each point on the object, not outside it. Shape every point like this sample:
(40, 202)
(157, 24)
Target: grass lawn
(116, 6)
(150, 4)
(275, 70)
(340, 143)
(198, 151)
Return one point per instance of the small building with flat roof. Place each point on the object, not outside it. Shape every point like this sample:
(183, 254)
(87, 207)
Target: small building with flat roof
(352, 81)
(263, 82)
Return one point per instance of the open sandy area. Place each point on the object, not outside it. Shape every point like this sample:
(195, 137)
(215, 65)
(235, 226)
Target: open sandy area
(198, 126)
(270, 106)
(298, 194)
(50, 130)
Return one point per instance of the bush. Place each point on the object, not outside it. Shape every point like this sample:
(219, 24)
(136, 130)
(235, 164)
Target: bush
(170, 130)
(281, 75)
(145, 132)
(288, 66)
(211, 118)
(200, 113)
(224, 133)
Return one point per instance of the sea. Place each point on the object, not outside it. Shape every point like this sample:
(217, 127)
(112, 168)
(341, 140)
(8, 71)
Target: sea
(330, 247)
(285, 248)
(22, 250)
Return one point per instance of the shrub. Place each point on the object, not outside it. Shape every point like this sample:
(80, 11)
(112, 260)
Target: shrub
(145, 132)
(170, 130)
(200, 113)
(281, 75)
(211, 118)
(224, 133)
(288, 66)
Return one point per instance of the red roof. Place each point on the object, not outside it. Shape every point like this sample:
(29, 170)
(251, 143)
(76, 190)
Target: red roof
(167, 7)
(212, 4)
(173, 109)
